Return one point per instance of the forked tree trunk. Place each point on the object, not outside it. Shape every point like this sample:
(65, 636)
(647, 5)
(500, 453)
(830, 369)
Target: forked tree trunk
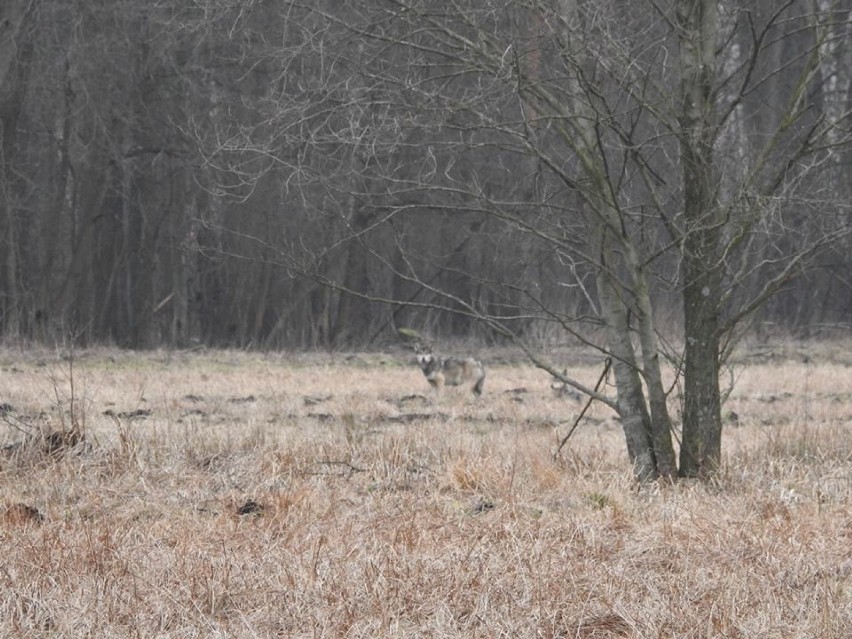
(661, 424)
(632, 408)
(646, 433)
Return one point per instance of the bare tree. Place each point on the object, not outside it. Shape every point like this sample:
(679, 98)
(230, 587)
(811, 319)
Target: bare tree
(575, 126)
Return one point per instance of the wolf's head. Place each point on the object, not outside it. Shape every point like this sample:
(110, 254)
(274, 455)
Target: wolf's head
(424, 356)
(431, 366)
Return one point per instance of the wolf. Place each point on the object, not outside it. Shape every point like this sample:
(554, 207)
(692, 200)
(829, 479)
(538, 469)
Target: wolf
(563, 390)
(450, 371)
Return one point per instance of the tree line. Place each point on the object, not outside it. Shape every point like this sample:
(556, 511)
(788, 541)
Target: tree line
(176, 173)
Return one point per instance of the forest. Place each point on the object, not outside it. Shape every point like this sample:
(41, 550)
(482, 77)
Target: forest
(317, 174)
(224, 224)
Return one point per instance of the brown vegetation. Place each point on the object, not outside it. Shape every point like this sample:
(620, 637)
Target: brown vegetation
(228, 494)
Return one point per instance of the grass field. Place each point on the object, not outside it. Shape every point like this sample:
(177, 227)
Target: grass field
(225, 494)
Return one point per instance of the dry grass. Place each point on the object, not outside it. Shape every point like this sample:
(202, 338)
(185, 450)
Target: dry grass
(300, 496)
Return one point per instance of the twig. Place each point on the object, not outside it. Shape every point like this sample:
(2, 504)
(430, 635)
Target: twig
(589, 401)
(18, 424)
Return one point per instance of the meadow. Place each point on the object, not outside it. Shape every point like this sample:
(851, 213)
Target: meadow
(229, 494)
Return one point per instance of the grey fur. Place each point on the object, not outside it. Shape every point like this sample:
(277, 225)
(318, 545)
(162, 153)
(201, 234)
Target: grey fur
(450, 371)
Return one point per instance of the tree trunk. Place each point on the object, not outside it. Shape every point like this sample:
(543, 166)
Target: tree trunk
(351, 309)
(701, 447)
(703, 228)
(16, 49)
